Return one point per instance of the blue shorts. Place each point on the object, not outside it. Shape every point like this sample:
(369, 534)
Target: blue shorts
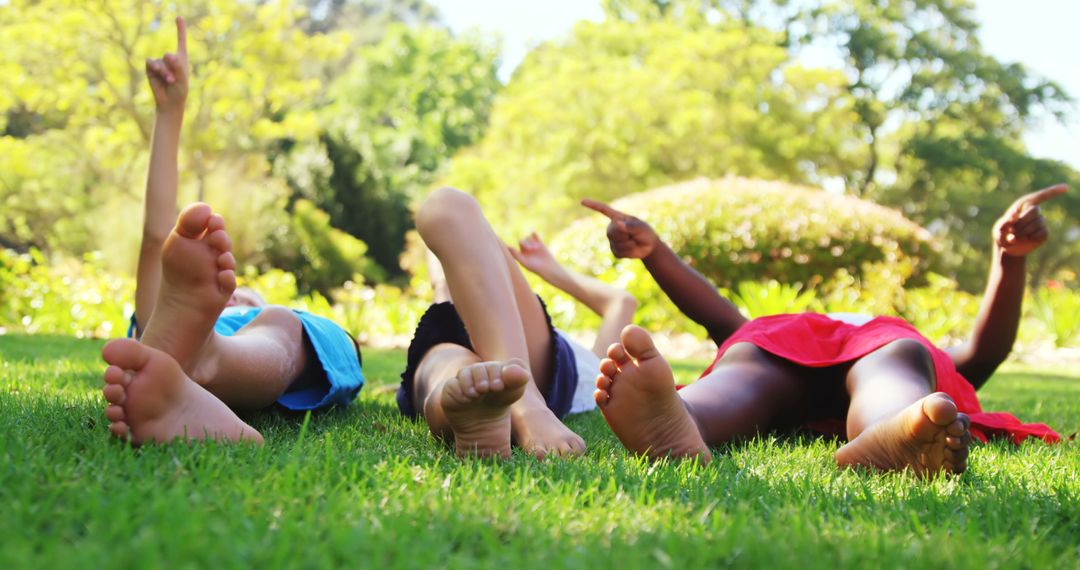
(442, 324)
(334, 382)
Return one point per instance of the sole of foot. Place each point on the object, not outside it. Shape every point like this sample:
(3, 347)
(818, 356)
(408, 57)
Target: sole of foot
(198, 276)
(636, 394)
(152, 400)
(477, 403)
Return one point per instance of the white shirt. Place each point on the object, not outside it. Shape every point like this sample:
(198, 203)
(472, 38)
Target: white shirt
(588, 368)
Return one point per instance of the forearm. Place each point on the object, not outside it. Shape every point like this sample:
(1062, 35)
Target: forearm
(693, 294)
(162, 178)
(593, 293)
(997, 322)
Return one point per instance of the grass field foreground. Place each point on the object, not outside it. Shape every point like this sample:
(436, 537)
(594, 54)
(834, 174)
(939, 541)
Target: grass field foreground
(365, 487)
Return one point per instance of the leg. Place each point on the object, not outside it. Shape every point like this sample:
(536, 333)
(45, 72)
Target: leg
(253, 368)
(745, 394)
(151, 400)
(895, 421)
(503, 316)
(468, 401)
(198, 276)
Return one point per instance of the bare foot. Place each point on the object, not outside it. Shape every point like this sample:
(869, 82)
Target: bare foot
(151, 400)
(198, 275)
(636, 394)
(477, 403)
(928, 436)
(539, 432)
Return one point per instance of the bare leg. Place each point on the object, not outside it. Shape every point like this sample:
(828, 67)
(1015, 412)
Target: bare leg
(252, 369)
(895, 421)
(503, 316)
(151, 400)
(249, 370)
(748, 392)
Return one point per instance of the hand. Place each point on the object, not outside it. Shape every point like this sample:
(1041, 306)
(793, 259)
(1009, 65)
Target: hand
(534, 255)
(169, 75)
(1022, 229)
(628, 236)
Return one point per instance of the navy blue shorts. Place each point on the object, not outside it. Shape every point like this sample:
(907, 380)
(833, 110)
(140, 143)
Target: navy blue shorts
(442, 324)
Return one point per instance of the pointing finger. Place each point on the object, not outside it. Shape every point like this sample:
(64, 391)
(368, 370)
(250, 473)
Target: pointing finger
(181, 36)
(1038, 197)
(613, 214)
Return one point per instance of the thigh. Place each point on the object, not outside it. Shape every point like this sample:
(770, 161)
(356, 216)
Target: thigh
(749, 391)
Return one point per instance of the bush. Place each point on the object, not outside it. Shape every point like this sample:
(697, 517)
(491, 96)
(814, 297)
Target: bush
(1058, 309)
(65, 296)
(736, 230)
(321, 256)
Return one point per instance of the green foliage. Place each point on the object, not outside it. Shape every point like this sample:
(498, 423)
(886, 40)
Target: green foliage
(1058, 309)
(322, 256)
(620, 107)
(400, 110)
(79, 113)
(941, 311)
(62, 296)
(755, 299)
(737, 230)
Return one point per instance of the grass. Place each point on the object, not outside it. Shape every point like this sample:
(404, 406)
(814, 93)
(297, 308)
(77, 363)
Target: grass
(364, 487)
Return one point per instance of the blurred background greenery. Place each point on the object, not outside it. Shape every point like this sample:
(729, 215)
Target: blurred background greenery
(866, 185)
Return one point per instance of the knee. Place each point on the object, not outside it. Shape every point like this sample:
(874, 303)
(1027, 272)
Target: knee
(279, 318)
(914, 354)
(444, 209)
(745, 352)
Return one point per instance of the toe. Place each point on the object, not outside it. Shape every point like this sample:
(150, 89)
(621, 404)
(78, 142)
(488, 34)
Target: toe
(215, 223)
(116, 375)
(617, 353)
(940, 409)
(114, 413)
(638, 343)
(126, 353)
(609, 368)
(220, 241)
(601, 397)
(603, 382)
(193, 220)
(119, 429)
(226, 261)
(227, 280)
(959, 427)
(114, 393)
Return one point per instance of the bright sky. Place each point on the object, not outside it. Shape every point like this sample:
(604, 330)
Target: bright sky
(1037, 33)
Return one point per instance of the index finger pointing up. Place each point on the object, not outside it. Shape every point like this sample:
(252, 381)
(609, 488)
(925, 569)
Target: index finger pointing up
(611, 213)
(181, 36)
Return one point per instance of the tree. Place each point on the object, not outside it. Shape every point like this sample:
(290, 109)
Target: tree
(939, 121)
(78, 112)
(628, 104)
(402, 108)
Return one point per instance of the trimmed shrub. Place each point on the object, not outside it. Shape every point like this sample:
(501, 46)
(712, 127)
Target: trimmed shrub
(734, 230)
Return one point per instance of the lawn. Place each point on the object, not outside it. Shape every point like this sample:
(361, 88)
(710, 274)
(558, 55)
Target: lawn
(364, 487)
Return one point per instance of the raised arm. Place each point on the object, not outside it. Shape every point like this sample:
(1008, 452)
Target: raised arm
(1021, 230)
(615, 306)
(168, 79)
(694, 295)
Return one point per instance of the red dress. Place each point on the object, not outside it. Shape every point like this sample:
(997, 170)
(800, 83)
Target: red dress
(815, 340)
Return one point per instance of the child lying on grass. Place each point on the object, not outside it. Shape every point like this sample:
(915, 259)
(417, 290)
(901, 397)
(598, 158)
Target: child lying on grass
(904, 403)
(205, 348)
(489, 368)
